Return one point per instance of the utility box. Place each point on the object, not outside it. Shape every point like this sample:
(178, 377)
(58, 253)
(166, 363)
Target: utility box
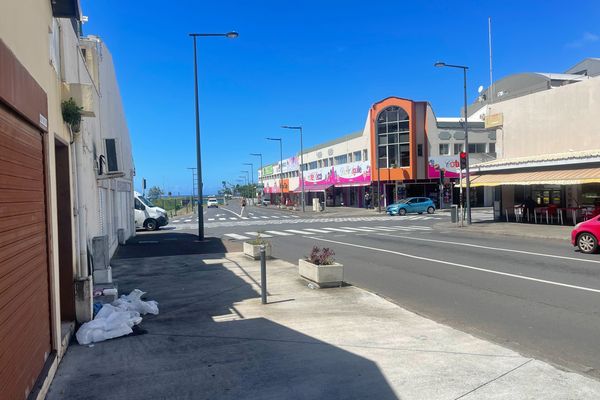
(454, 214)
(100, 252)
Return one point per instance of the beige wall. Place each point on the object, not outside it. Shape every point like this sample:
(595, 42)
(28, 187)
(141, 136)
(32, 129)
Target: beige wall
(552, 121)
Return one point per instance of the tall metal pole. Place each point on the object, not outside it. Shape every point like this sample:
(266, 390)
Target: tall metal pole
(251, 170)
(198, 150)
(302, 170)
(467, 175)
(280, 172)
(378, 167)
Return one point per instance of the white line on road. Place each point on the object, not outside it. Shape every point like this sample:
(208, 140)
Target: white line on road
(256, 234)
(236, 236)
(211, 219)
(279, 233)
(222, 219)
(352, 229)
(233, 219)
(264, 217)
(188, 220)
(299, 232)
(501, 249)
(340, 230)
(274, 216)
(376, 228)
(316, 230)
(527, 278)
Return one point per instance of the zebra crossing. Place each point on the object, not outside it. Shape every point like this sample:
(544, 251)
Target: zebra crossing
(326, 230)
(238, 218)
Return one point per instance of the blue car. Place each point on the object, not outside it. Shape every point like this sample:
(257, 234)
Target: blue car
(411, 205)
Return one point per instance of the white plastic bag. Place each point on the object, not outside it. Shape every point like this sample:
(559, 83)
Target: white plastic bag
(133, 302)
(110, 322)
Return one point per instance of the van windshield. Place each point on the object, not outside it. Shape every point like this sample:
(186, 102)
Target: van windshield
(146, 201)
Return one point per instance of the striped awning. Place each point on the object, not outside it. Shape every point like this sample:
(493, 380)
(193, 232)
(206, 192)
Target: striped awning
(546, 177)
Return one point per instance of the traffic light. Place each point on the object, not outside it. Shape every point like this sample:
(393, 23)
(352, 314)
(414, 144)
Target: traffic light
(463, 160)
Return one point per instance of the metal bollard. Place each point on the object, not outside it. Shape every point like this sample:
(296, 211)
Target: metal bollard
(263, 274)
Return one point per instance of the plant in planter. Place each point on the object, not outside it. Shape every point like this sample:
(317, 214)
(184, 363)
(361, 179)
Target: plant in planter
(252, 247)
(320, 267)
(71, 114)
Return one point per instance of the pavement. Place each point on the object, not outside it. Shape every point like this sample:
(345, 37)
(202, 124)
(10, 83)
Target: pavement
(213, 339)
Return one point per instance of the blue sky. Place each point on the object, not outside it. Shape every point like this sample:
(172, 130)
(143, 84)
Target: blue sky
(316, 63)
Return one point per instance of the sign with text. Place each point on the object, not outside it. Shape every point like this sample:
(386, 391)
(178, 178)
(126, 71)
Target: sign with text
(450, 164)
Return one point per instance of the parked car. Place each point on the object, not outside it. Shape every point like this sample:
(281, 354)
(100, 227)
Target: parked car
(411, 205)
(212, 202)
(147, 215)
(266, 202)
(585, 235)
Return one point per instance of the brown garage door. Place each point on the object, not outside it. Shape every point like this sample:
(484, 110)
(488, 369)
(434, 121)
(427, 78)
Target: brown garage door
(24, 301)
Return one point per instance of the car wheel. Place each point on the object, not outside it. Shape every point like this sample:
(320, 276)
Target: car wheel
(420, 212)
(402, 211)
(587, 243)
(151, 225)
(430, 210)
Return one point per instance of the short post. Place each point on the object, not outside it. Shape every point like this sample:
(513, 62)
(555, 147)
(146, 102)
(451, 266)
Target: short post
(263, 274)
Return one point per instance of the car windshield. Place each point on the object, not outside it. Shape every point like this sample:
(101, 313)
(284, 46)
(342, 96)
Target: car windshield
(146, 201)
(403, 201)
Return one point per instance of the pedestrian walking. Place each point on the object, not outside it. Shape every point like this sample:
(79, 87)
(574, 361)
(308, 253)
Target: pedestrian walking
(243, 207)
(367, 200)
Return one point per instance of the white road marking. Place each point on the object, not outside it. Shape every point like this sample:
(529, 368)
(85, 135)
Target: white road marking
(188, 220)
(236, 236)
(264, 217)
(250, 213)
(316, 230)
(299, 232)
(211, 219)
(375, 228)
(274, 216)
(502, 249)
(279, 233)
(254, 217)
(294, 216)
(339, 230)
(244, 217)
(524, 277)
(352, 229)
(233, 219)
(222, 219)
(256, 234)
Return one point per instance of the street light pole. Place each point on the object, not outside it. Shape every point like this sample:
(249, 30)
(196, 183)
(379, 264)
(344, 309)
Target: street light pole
(301, 162)
(251, 170)
(231, 35)
(280, 168)
(467, 172)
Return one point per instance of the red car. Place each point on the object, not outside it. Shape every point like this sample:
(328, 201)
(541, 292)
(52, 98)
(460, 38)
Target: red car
(585, 235)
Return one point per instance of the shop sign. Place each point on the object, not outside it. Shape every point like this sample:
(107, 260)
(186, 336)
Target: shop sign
(268, 170)
(494, 120)
(356, 172)
(450, 165)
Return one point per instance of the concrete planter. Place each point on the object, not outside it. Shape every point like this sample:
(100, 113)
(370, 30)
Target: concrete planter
(322, 275)
(253, 250)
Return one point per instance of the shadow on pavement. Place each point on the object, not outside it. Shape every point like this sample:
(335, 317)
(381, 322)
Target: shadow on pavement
(201, 347)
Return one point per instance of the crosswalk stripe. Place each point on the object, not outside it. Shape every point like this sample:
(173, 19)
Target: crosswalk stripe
(236, 236)
(377, 228)
(233, 219)
(352, 229)
(316, 230)
(339, 230)
(425, 228)
(264, 217)
(299, 232)
(277, 233)
(256, 234)
(222, 219)
(188, 220)
(294, 216)
(254, 217)
(274, 216)
(211, 219)
(244, 217)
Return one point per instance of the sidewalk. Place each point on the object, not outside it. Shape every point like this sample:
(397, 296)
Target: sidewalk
(213, 339)
(539, 231)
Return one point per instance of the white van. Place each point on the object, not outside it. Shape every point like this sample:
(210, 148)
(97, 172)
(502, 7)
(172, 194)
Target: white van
(147, 215)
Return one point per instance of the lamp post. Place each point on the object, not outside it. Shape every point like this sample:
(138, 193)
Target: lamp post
(299, 128)
(193, 185)
(251, 170)
(230, 35)
(280, 168)
(247, 177)
(467, 175)
(258, 177)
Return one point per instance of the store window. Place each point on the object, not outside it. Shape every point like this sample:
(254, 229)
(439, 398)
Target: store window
(393, 138)
(357, 156)
(458, 148)
(492, 148)
(476, 148)
(343, 159)
(312, 165)
(444, 149)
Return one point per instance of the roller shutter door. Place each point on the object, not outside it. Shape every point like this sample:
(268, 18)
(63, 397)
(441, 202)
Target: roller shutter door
(25, 338)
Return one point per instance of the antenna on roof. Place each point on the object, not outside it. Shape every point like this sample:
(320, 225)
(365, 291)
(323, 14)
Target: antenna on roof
(491, 94)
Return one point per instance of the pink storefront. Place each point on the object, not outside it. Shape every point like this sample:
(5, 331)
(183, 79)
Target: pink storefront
(339, 185)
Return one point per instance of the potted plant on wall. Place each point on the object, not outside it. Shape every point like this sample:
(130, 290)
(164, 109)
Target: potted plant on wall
(71, 114)
(320, 268)
(252, 247)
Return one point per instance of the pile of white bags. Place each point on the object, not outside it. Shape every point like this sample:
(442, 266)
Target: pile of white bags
(116, 319)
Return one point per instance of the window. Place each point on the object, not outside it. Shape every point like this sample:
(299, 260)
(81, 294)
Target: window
(111, 154)
(420, 150)
(312, 165)
(458, 148)
(326, 162)
(349, 157)
(492, 148)
(393, 138)
(357, 156)
(445, 149)
(138, 205)
(365, 155)
(476, 147)
(320, 163)
(343, 159)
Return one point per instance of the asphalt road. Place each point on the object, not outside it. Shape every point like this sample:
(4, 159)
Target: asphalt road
(538, 297)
